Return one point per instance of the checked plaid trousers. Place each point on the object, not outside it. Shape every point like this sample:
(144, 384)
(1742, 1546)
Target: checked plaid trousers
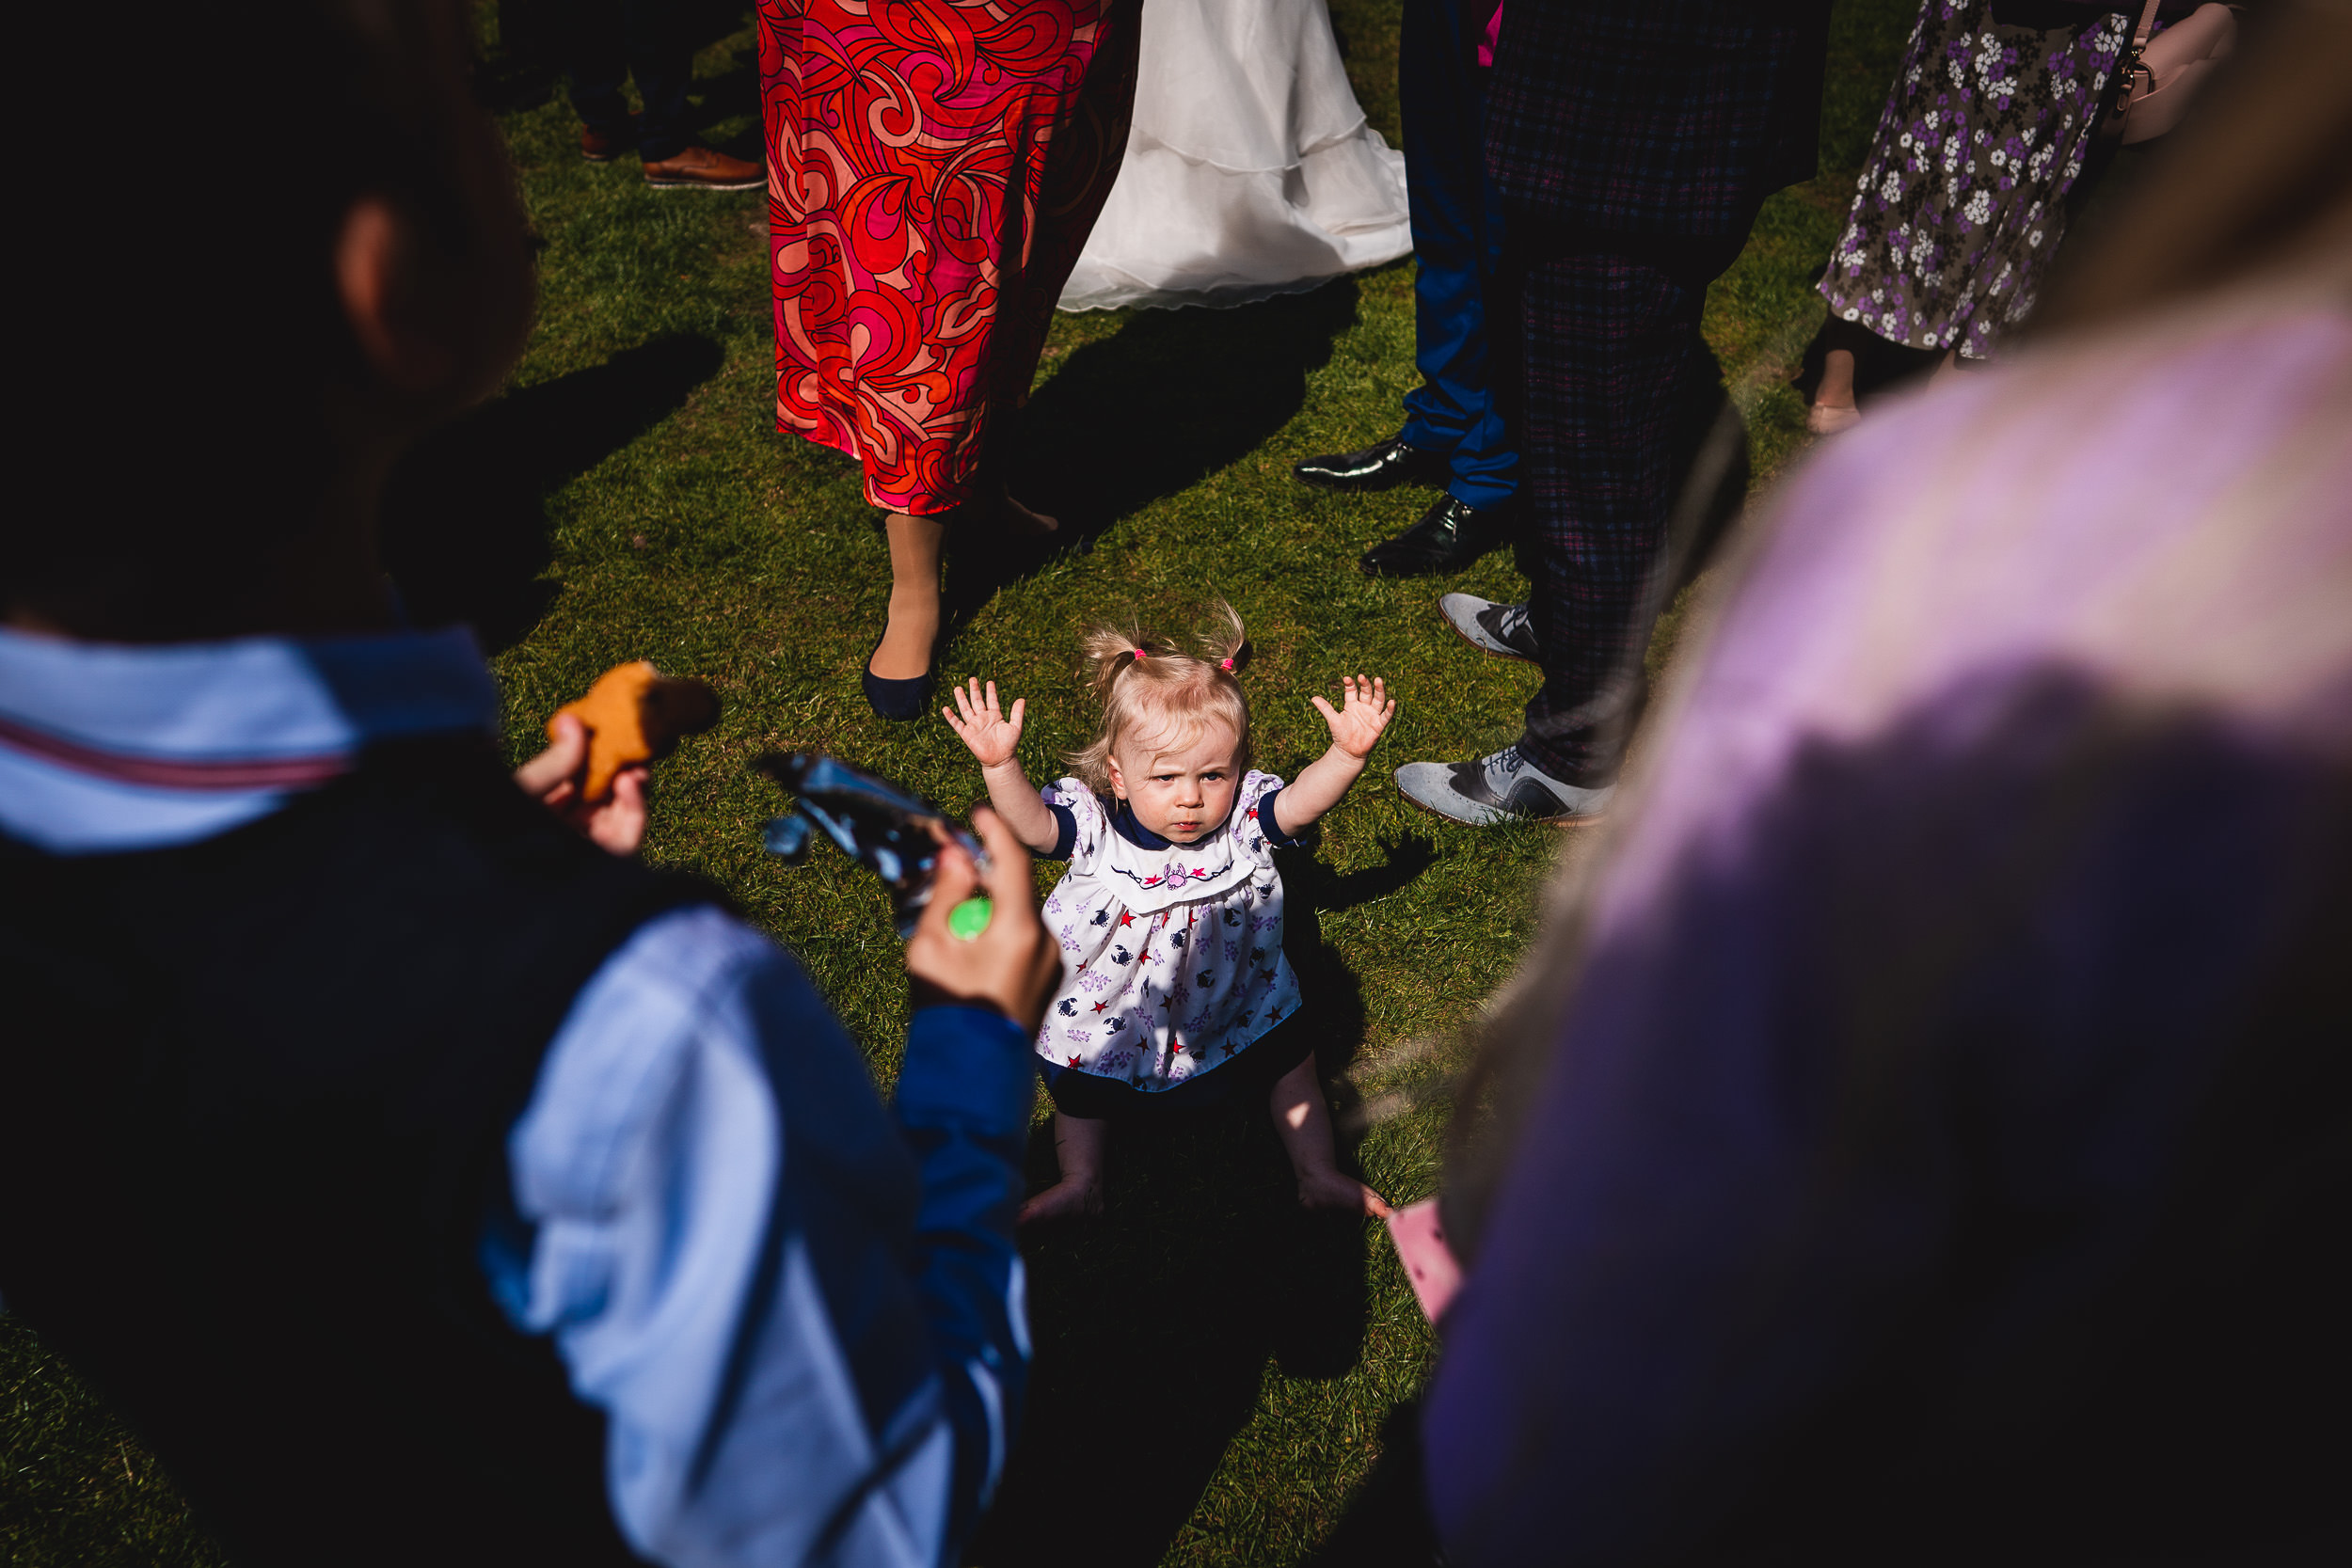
(1633, 141)
(1619, 388)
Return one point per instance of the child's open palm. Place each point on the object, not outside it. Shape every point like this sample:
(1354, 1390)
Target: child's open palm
(982, 726)
(1364, 711)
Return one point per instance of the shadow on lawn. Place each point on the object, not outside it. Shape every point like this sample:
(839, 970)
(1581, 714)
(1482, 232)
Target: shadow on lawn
(465, 530)
(1169, 398)
(528, 66)
(1155, 1325)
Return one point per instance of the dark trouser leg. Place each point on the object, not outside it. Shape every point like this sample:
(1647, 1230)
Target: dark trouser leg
(1617, 376)
(595, 52)
(663, 65)
(608, 39)
(1457, 242)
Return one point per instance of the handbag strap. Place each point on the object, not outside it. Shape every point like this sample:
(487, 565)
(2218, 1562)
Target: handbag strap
(2132, 65)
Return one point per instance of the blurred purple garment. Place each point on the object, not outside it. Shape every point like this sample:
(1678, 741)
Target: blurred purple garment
(1943, 1154)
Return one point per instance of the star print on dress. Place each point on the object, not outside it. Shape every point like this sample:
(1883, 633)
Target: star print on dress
(1162, 1019)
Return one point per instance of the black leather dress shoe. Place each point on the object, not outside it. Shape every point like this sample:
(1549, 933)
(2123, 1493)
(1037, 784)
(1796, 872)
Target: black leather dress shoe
(1449, 537)
(1378, 467)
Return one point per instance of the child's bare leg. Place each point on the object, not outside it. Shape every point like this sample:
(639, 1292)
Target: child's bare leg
(1304, 1123)
(1078, 1149)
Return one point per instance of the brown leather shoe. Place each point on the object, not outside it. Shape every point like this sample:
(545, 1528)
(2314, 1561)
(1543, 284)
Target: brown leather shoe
(701, 169)
(602, 147)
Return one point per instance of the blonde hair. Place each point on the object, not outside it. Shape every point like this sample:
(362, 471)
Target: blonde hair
(1147, 683)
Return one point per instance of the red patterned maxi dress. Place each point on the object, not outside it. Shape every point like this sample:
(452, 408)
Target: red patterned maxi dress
(933, 168)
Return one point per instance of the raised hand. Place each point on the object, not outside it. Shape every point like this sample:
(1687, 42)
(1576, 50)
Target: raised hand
(1365, 710)
(982, 727)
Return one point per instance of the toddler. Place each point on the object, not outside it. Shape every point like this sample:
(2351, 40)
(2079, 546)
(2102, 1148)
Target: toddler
(1174, 989)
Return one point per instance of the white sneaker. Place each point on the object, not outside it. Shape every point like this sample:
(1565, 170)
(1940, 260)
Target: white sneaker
(1490, 625)
(1498, 788)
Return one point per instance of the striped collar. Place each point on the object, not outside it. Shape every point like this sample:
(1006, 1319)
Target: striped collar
(108, 747)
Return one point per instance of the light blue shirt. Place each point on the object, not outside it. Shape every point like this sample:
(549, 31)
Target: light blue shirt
(801, 1313)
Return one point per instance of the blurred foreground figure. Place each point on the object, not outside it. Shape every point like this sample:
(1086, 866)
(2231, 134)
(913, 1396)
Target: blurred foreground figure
(1926, 1134)
(425, 1183)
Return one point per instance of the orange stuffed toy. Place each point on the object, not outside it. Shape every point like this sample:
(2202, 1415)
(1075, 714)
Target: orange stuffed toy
(635, 714)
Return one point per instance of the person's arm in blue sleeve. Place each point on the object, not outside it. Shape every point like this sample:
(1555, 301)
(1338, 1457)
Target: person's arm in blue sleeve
(965, 1094)
(963, 1099)
(802, 1320)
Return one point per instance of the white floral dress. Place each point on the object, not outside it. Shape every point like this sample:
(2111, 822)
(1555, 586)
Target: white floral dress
(1962, 201)
(1171, 954)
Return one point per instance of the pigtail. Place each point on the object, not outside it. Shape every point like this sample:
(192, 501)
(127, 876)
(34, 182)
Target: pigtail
(1222, 642)
(1136, 677)
(1106, 652)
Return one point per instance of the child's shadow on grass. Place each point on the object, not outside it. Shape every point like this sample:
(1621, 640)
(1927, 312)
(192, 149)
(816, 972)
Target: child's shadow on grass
(1155, 1325)
(465, 530)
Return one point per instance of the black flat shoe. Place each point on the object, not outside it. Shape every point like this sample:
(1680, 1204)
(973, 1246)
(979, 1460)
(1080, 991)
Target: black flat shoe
(1449, 537)
(1379, 468)
(899, 701)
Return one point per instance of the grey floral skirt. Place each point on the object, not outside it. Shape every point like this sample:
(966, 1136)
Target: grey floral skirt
(1962, 203)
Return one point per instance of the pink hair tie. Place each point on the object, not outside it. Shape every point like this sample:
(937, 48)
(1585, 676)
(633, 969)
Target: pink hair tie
(1226, 665)
(1139, 656)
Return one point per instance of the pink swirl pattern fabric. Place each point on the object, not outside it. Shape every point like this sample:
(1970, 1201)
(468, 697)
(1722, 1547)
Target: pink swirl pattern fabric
(933, 169)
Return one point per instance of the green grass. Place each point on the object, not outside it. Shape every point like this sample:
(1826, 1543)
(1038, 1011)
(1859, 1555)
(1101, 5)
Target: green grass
(1213, 1369)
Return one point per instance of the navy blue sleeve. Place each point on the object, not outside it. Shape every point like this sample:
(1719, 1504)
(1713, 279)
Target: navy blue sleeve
(965, 1094)
(1065, 832)
(1275, 837)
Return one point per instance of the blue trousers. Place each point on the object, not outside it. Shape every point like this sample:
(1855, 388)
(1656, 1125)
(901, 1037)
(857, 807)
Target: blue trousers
(1457, 241)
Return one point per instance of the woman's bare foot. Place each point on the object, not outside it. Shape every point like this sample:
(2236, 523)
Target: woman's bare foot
(1825, 418)
(1834, 408)
(1067, 1199)
(1024, 523)
(1323, 1187)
